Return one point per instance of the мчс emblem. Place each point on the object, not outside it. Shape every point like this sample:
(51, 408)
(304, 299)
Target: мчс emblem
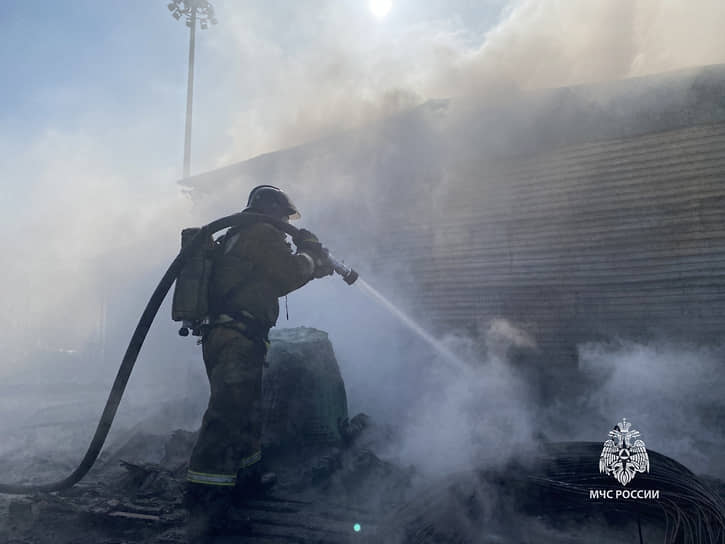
(621, 457)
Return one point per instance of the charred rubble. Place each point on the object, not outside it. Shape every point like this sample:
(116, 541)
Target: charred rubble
(334, 486)
(330, 477)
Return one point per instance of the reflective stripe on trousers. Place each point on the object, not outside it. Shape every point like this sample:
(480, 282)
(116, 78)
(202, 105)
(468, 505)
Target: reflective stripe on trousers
(224, 480)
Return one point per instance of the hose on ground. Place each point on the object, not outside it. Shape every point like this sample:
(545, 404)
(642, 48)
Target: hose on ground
(134, 347)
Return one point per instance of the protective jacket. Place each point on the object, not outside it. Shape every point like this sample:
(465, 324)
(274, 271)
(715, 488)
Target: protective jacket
(253, 268)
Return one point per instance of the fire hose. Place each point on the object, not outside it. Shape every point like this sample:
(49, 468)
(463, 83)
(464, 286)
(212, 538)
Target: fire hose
(139, 335)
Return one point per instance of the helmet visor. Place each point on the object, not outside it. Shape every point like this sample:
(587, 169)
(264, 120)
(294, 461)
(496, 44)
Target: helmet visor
(292, 211)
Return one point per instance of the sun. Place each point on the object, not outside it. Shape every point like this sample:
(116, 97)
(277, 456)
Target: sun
(380, 8)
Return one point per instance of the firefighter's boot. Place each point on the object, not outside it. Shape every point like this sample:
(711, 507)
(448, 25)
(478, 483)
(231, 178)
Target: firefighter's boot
(208, 508)
(253, 482)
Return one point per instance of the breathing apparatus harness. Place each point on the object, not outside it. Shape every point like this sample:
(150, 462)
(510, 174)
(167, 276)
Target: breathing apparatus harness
(189, 248)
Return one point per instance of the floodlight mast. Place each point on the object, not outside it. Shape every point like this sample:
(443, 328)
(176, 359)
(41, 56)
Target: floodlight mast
(193, 10)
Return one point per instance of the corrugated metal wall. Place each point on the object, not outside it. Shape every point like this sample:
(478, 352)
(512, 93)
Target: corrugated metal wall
(613, 237)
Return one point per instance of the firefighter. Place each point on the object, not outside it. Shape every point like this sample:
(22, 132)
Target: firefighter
(253, 266)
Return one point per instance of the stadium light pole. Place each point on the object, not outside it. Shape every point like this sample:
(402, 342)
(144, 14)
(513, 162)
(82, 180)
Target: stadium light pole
(203, 12)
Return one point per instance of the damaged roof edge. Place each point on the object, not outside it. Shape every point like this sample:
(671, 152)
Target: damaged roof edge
(628, 96)
(199, 181)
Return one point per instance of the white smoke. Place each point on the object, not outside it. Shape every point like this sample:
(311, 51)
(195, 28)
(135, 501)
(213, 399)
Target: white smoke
(672, 393)
(352, 71)
(463, 419)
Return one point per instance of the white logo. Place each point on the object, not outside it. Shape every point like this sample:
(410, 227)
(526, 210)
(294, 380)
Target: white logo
(621, 458)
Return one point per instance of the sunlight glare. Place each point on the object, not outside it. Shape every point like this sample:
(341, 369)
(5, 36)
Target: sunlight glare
(380, 8)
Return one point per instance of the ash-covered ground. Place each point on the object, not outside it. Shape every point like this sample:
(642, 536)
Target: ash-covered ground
(325, 494)
(338, 481)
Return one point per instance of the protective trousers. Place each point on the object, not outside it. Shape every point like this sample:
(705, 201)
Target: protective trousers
(231, 431)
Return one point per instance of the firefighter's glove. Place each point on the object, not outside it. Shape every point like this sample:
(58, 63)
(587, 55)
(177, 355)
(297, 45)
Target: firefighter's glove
(306, 240)
(323, 266)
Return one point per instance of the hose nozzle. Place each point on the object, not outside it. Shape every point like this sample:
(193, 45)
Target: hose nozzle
(347, 273)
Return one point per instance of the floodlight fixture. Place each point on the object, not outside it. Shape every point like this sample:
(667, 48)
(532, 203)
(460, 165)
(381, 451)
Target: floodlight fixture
(194, 10)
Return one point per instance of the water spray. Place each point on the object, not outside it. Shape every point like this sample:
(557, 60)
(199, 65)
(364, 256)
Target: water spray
(351, 276)
(409, 322)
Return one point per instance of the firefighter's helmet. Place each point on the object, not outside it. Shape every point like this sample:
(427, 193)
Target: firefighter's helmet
(271, 200)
